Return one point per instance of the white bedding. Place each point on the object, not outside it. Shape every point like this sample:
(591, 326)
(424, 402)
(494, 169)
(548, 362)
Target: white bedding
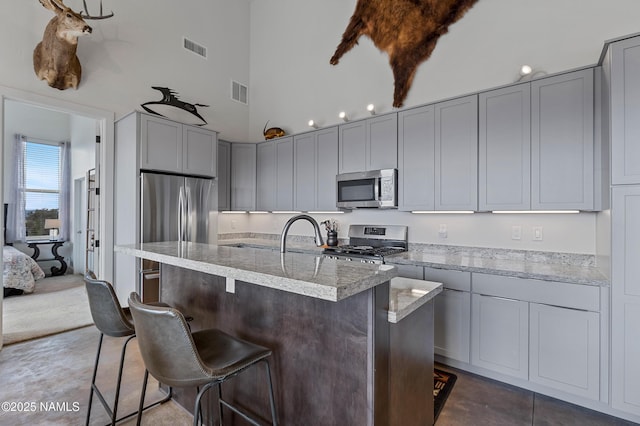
(20, 270)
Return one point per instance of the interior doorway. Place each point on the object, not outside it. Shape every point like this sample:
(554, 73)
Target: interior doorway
(103, 127)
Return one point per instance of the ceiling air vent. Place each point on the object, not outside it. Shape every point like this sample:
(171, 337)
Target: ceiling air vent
(194, 47)
(239, 92)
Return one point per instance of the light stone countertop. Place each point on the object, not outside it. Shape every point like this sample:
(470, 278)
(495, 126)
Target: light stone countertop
(407, 294)
(562, 267)
(305, 274)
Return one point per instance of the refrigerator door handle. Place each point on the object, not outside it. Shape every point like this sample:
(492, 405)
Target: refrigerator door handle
(181, 213)
(187, 213)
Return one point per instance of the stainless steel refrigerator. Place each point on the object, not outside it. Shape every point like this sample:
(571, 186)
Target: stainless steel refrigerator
(174, 208)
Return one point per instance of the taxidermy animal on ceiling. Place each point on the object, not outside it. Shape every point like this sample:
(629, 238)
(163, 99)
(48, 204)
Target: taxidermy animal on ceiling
(407, 30)
(170, 98)
(54, 58)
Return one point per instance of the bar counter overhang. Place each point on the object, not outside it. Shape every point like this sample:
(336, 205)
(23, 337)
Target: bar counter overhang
(337, 359)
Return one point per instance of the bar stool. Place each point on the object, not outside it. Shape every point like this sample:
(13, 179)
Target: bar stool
(206, 358)
(114, 321)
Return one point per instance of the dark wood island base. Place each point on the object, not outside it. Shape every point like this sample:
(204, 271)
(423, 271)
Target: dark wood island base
(334, 363)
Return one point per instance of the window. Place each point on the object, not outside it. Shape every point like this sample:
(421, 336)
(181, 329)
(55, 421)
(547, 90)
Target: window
(42, 183)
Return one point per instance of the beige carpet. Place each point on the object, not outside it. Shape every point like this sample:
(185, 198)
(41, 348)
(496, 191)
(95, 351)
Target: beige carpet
(58, 304)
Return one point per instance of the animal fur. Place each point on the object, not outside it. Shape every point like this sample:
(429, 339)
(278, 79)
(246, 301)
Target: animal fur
(407, 30)
(272, 132)
(54, 58)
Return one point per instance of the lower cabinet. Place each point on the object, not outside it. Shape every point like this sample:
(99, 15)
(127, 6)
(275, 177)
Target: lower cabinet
(547, 333)
(500, 335)
(451, 324)
(452, 313)
(565, 349)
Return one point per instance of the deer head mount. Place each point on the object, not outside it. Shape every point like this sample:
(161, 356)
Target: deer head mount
(407, 30)
(54, 58)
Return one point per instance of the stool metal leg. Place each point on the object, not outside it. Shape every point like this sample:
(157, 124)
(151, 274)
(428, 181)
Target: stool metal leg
(94, 388)
(274, 416)
(93, 379)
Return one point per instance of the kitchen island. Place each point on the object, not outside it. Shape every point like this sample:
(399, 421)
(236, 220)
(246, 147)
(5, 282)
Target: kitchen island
(337, 357)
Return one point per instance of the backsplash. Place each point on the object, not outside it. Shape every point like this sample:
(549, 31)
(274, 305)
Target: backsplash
(573, 259)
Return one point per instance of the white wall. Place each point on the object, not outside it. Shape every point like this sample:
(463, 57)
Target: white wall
(140, 47)
(293, 40)
(565, 233)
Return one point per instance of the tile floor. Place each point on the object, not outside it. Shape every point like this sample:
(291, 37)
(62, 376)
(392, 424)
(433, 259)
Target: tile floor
(476, 400)
(58, 369)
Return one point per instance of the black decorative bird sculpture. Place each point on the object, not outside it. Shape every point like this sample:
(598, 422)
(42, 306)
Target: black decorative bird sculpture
(170, 98)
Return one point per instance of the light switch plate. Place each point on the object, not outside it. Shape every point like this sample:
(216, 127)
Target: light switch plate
(537, 233)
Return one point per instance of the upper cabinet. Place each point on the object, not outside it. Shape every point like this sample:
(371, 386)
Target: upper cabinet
(224, 175)
(504, 156)
(173, 147)
(370, 144)
(537, 148)
(315, 170)
(622, 70)
(274, 185)
(438, 156)
(243, 176)
(456, 154)
(416, 159)
(562, 143)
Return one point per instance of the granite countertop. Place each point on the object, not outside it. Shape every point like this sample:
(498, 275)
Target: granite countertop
(547, 266)
(520, 268)
(406, 295)
(306, 274)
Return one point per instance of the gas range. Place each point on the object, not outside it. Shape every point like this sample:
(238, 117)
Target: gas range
(371, 243)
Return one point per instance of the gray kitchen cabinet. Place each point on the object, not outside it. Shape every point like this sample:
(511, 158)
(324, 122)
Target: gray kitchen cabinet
(243, 176)
(542, 331)
(266, 176)
(622, 67)
(315, 170)
(625, 298)
(565, 349)
(224, 175)
(504, 160)
(274, 174)
(456, 153)
(452, 314)
(416, 159)
(284, 173)
(562, 143)
(369, 144)
(500, 335)
(173, 147)
(410, 271)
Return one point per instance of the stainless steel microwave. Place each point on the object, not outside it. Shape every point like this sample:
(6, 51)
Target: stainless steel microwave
(372, 189)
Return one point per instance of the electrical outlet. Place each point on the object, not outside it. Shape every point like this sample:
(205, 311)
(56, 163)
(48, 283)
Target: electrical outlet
(537, 233)
(442, 231)
(516, 232)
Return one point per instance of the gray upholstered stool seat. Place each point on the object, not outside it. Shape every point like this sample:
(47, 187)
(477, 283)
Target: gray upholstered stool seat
(114, 321)
(206, 358)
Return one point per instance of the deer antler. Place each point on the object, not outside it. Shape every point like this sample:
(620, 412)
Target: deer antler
(85, 14)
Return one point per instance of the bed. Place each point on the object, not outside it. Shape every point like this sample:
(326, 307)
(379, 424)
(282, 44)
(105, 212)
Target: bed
(20, 271)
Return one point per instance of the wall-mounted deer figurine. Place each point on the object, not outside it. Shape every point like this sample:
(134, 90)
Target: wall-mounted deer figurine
(54, 58)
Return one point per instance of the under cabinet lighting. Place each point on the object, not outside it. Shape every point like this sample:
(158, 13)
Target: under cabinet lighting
(535, 211)
(442, 212)
(327, 212)
(257, 212)
(286, 212)
(233, 212)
